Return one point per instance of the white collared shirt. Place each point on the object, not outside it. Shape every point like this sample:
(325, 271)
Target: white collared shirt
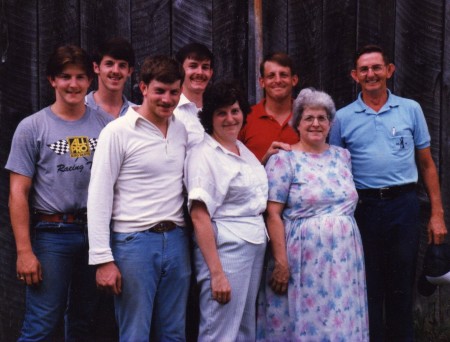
(187, 113)
(234, 188)
(136, 180)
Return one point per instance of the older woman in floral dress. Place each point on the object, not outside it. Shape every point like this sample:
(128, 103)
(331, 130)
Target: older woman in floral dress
(315, 286)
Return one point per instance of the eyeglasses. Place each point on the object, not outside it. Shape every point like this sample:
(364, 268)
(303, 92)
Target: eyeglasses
(375, 68)
(321, 119)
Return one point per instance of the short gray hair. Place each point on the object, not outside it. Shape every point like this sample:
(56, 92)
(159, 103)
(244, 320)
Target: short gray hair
(311, 98)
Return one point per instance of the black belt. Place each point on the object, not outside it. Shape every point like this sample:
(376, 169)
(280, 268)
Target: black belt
(387, 192)
(162, 227)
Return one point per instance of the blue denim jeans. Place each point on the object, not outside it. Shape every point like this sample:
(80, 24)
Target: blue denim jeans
(390, 235)
(68, 287)
(156, 271)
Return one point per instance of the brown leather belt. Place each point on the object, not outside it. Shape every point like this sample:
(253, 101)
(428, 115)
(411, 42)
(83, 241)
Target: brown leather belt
(388, 192)
(162, 227)
(79, 218)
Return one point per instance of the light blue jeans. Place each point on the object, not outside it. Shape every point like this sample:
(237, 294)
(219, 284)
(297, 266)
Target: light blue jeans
(155, 270)
(68, 287)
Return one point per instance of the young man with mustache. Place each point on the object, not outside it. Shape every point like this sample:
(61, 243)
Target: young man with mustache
(197, 62)
(388, 139)
(136, 227)
(267, 128)
(113, 64)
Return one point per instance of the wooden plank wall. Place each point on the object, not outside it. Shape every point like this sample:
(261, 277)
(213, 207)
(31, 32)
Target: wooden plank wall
(321, 36)
(421, 56)
(444, 143)
(19, 95)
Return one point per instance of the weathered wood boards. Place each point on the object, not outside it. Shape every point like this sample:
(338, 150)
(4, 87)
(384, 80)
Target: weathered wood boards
(321, 36)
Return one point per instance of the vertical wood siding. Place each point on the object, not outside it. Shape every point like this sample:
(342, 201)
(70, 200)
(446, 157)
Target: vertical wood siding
(19, 95)
(321, 36)
(443, 303)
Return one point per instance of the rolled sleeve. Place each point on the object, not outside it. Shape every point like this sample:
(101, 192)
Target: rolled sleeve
(199, 194)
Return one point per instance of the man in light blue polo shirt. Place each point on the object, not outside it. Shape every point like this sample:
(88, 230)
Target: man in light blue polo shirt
(385, 135)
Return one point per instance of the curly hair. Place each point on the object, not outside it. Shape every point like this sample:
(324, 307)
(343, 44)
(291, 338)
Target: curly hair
(311, 98)
(222, 94)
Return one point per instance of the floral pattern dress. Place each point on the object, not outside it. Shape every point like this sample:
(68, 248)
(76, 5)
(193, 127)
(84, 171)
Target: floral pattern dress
(326, 298)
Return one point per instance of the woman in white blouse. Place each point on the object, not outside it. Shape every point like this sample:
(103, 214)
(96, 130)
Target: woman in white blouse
(227, 194)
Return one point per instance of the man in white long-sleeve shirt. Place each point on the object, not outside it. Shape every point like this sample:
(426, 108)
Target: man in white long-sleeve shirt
(197, 62)
(136, 188)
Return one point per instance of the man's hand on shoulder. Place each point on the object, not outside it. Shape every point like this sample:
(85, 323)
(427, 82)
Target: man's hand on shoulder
(109, 278)
(273, 149)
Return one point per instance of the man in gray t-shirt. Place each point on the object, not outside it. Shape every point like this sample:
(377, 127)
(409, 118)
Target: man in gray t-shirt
(49, 163)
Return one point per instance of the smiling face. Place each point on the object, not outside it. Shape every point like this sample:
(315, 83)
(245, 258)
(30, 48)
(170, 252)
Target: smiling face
(159, 100)
(372, 73)
(227, 122)
(197, 75)
(70, 85)
(112, 73)
(314, 126)
(277, 81)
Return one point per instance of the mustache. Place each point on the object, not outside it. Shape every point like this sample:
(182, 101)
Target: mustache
(198, 78)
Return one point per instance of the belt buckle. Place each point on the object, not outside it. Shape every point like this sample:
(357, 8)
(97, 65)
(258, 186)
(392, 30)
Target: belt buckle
(384, 193)
(158, 228)
(161, 227)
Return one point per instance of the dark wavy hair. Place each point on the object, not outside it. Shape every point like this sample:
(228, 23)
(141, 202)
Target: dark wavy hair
(369, 49)
(195, 51)
(162, 69)
(66, 55)
(116, 47)
(222, 94)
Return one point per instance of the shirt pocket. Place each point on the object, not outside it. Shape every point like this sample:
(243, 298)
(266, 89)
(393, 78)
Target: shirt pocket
(402, 143)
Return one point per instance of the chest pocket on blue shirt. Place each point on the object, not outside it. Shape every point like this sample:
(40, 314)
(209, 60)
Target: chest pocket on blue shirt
(402, 143)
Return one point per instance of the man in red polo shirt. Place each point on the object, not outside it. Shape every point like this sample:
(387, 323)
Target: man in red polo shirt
(267, 128)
